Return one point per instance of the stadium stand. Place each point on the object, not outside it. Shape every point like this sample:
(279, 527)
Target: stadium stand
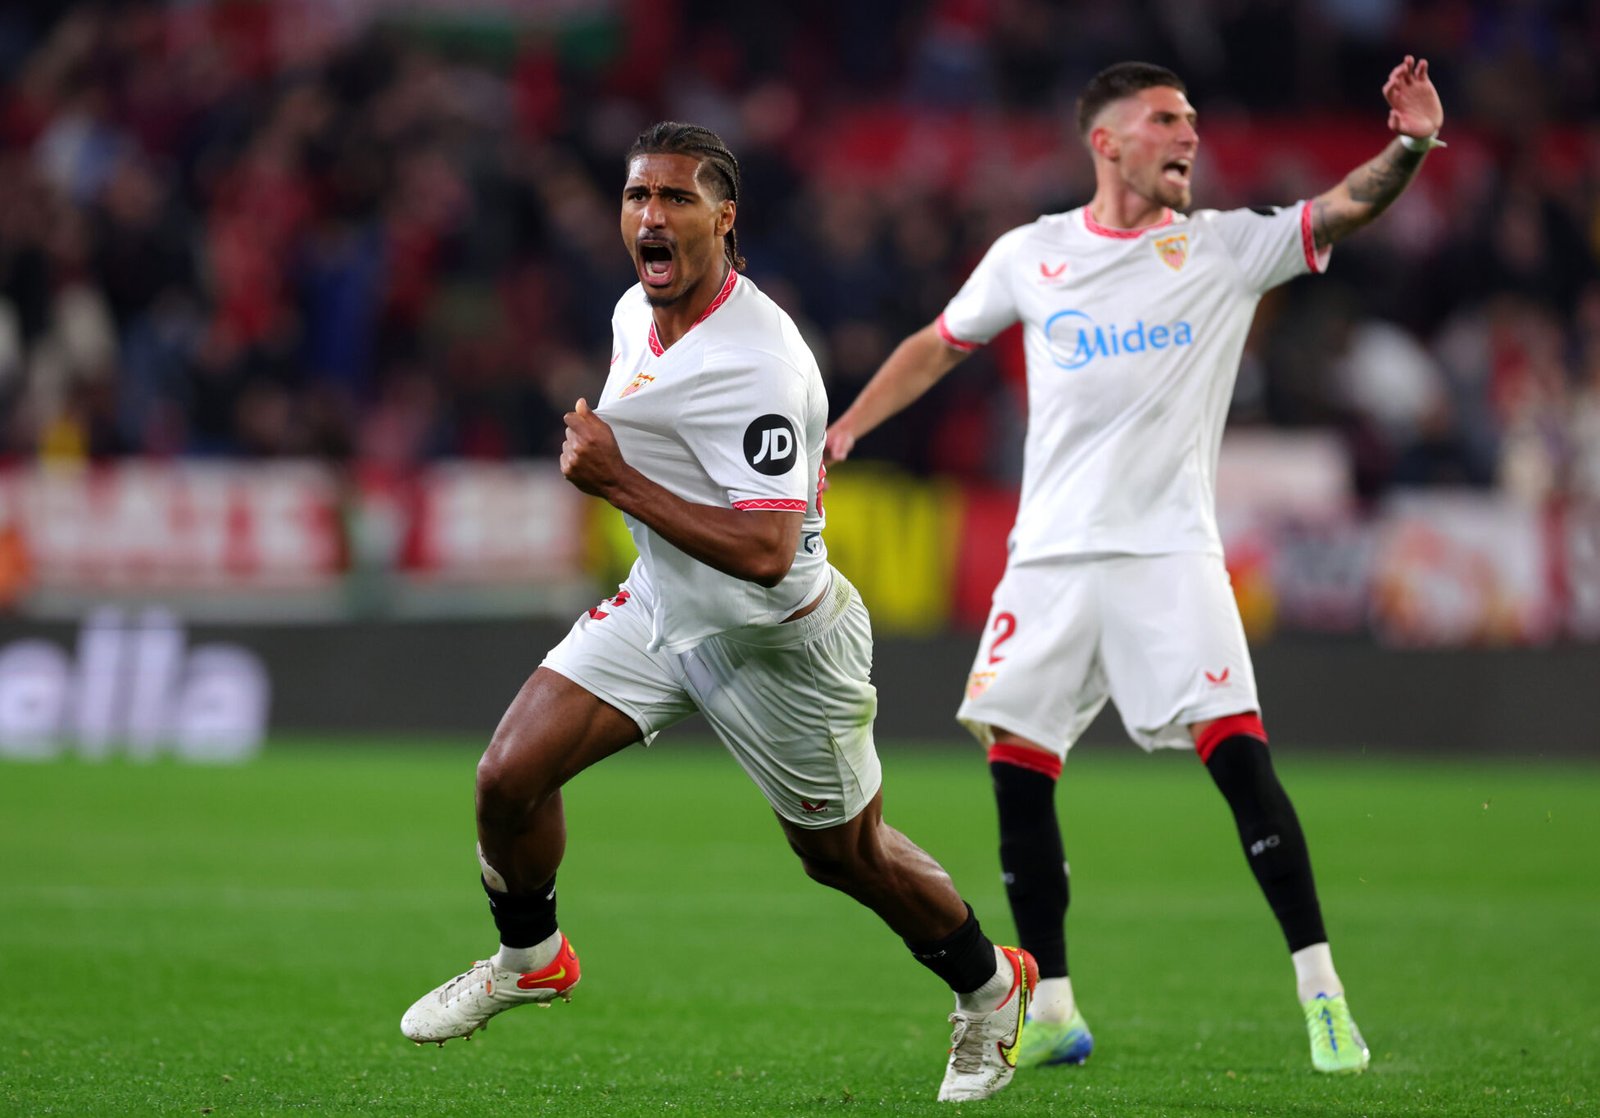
(238, 229)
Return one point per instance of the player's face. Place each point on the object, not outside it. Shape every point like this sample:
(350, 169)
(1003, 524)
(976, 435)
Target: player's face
(673, 227)
(1155, 142)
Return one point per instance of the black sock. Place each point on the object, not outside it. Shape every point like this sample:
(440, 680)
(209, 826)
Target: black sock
(524, 919)
(1033, 864)
(1274, 844)
(964, 958)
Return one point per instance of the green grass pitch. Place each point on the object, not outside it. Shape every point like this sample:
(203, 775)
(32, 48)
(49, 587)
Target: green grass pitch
(242, 941)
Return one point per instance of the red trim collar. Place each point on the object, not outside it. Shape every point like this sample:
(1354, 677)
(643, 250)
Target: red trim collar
(1099, 230)
(722, 297)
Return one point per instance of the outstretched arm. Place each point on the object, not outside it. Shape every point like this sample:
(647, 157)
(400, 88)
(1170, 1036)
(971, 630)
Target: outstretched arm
(1414, 111)
(914, 367)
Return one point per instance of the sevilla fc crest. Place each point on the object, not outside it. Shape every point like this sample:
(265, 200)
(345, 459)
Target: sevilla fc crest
(635, 384)
(1173, 250)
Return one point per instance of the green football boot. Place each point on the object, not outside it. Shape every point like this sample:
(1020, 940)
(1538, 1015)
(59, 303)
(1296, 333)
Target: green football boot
(1050, 1042)
(1336, 1044)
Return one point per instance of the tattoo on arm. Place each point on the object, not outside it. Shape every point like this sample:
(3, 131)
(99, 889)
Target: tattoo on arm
(1367, 191)
(1381, 180)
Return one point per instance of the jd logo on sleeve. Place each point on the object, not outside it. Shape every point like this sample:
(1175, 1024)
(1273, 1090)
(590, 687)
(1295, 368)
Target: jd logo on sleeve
(769, 445)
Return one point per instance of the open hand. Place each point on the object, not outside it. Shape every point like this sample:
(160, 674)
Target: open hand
(590, 458)
(1414, 105)
(837, 444)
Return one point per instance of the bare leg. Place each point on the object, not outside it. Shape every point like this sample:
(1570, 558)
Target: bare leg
(869, 860)
(552, 731)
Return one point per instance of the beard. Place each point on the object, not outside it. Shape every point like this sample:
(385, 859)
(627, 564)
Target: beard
(659, 301)
(1174, 197)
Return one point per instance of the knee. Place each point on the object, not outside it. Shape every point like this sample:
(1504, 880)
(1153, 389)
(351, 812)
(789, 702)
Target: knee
(850, 877)
(508, 785)
(826, 870)
(496, 788)
(494, 779)
(847, 867)
(1241, 767)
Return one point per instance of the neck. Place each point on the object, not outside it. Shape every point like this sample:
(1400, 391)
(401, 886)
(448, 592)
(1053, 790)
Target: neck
(1118, 207)
(673, 322)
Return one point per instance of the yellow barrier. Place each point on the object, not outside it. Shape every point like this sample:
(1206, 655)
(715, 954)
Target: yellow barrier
(894, 536)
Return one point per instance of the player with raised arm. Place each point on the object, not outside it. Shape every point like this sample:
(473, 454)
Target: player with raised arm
(1134, 317)
(708, 438)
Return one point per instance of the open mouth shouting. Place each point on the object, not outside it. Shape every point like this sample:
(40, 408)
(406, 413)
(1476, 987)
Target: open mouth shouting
(657, 258)
(1177, 171)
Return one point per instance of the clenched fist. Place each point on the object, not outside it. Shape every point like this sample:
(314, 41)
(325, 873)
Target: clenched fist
(590, 458)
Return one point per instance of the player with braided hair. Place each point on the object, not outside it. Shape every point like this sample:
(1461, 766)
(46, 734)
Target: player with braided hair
(708, 438)
(671, 137)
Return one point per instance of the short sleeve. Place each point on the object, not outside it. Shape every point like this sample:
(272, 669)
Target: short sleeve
(985, 305)
(751, 439)
(1272, 244)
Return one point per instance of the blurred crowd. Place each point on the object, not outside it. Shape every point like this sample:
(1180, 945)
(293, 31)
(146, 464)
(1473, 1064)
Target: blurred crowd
(382, 233)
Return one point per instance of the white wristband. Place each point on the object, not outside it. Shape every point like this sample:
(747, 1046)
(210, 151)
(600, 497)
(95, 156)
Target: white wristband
(1422, 143)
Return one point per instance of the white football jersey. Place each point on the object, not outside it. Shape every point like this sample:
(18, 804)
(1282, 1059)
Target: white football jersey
(1133, 340)
(733, 415)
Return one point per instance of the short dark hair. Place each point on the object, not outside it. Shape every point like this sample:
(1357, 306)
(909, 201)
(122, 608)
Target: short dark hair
(672, 137)
(1118, 81)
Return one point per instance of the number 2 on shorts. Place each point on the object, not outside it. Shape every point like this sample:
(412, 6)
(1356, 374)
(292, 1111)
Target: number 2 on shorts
(1005, 624)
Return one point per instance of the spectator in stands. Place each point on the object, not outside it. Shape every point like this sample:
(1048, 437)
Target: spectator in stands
(205, 159)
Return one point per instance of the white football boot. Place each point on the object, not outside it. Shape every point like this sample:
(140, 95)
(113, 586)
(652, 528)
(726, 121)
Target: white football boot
(464, 1005)
(983, 1049)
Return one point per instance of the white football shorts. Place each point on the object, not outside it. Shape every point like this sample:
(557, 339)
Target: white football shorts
(792, 702)
(1159, 635)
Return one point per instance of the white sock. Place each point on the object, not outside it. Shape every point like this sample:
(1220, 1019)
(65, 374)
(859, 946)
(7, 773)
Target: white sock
(1314, 973)
(1053, 1001)
(525, 960)
(987, 997)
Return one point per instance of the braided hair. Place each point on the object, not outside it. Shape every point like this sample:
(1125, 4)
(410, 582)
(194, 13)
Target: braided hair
(671, 137)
